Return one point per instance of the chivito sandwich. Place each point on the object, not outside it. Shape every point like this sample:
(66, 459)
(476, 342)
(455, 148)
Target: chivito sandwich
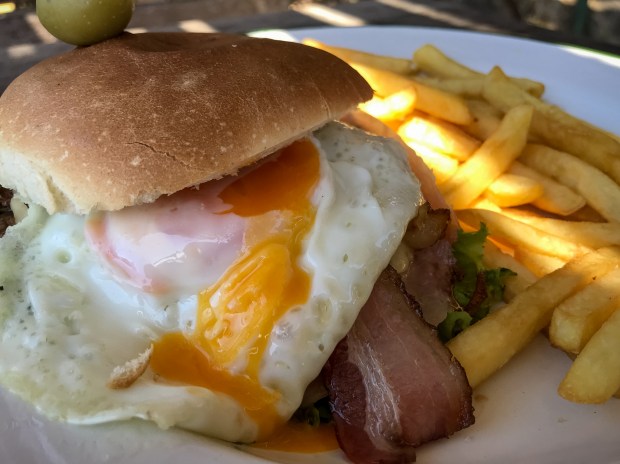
(195, 238)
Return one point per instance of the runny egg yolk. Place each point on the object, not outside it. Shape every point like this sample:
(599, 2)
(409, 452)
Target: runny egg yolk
(300, 437)
(236, 314)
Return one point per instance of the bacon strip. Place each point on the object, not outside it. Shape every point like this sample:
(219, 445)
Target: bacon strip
(429, 280)
(393, 385)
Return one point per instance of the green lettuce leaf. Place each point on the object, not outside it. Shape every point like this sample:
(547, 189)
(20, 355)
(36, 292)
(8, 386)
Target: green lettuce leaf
(476, 289)
(453, 324)
(468, 250)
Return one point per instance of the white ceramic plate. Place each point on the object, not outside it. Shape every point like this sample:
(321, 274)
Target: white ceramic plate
(519, 417)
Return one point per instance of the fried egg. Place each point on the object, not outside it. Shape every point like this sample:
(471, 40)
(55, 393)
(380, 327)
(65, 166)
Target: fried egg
(238, 289)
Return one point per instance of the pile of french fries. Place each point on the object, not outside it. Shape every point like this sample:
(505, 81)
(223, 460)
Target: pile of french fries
(544, 182)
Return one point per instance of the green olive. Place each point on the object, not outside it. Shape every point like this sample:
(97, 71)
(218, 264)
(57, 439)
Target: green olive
(84, 22)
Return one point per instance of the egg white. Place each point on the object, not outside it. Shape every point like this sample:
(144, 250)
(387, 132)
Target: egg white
(66, 322)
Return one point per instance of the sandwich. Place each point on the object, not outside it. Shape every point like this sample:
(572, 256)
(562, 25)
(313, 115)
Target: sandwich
(198, 239)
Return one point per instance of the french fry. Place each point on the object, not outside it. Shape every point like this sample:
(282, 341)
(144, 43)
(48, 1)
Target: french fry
(594, 376)
(435, 102)
(513, 190)
(556, 198)
(376, 107)
(486, 346)
(493, 258)
(555, 127)
(486, 119)
(443, 166)
(484, 203)
(439, 135)
(392, 109)
(590, 234)
(578, 318)
(539, 264)
(600, 192)
(519, 234)
(402, 103)
(433, 61)
(383, 82)
(462, 86)
(490, 160)
(389, 63)
(566, 133)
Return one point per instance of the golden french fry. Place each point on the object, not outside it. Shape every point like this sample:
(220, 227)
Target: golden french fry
(433, 61)
(532, 87)
(594, 376)
(462, 86)
(435, 102)
(600, 191)
(578, 318)
(566, 133)
(389, 63)
(494, 258)
(486, 119)
(557, 128)
(439, 135)
(590, 234)
(484, 203)
(383, 82)
(521, 235)
(487, 345)
(513, 190)
(556, 198)
(392, 109)
(376, 107)
(443, 166)
(490, 160)
(539, 264)
(402, 103)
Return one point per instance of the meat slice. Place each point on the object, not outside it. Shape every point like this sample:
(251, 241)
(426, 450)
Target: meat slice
(6, 215)
(393, 385)
(429, 280)
(5, 199)
(429, 275)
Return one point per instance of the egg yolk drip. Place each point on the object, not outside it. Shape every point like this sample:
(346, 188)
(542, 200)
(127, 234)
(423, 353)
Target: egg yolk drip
(236, 314)
(300, 437)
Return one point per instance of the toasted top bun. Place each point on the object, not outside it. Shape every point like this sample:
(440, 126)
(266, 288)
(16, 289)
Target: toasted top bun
(124, 121)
